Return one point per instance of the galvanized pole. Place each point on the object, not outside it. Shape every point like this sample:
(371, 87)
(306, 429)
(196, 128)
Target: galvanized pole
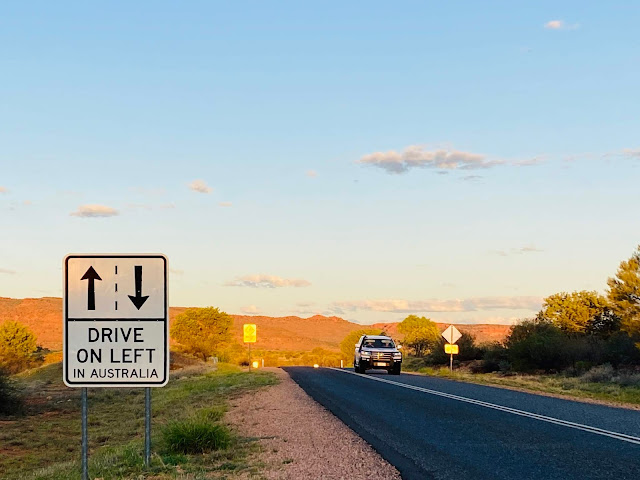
(85, 437)
(451, 363)
(249, 357)
(147, 426)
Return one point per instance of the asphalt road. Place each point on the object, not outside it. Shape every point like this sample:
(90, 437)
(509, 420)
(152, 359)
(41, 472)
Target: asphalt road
(432, 428)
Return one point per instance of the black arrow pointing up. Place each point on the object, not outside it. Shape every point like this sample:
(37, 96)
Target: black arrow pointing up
(91, 275)
(138, 300)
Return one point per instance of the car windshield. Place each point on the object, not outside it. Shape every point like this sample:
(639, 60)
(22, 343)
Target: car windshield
(378, 343)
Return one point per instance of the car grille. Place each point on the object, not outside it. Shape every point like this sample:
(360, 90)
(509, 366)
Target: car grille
(381, 356)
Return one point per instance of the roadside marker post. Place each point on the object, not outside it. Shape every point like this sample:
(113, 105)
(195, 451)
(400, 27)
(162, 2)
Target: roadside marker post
(249, 335)
(116, 328)
(451, 335)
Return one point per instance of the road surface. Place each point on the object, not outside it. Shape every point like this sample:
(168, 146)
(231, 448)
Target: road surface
(431, 428)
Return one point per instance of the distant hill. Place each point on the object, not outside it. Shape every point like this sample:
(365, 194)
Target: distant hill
(44, 317)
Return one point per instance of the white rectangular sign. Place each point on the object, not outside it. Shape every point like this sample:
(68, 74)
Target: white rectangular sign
(116, 320)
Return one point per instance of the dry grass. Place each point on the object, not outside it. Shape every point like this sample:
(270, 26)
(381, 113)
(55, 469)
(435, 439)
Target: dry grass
(601, 384)
(45, 443)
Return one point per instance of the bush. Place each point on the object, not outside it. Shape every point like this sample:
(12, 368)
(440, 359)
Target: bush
(10, 401)
(537, 345)
(599, 374)
(195, 436)
(18, 348)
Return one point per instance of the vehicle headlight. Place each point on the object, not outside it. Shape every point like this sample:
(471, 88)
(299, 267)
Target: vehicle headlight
(365, 354)
(397, 356)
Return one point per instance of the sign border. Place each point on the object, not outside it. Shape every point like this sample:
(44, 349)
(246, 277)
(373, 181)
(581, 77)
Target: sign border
(65, 320)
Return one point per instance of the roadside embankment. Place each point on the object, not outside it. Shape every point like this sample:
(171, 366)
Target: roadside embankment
(299, 439)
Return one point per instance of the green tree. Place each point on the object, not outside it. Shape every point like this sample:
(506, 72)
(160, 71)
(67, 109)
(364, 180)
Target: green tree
(202, 331)
(580, 313)
(18, 346)
(347, 346)
(536, 344)
(624, 293)
(420, 333)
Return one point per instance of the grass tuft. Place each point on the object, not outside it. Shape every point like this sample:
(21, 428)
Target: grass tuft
(195, 436)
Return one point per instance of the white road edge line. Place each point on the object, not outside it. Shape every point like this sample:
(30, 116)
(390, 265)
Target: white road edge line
(514, 411)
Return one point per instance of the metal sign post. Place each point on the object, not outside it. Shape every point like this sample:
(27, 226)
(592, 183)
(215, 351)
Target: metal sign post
(116, 328)
(451, 335)
(147, 426)
(249, 335)
(85, 437)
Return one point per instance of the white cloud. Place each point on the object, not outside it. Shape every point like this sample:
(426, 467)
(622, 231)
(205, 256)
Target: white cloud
(554, 24)
(95, 211)
(517, 251)
(472, 177)
(415, 156)
(440, 306)
(250, 310)
(560, 25)
(7, 271)
(632, 153)
(267, 281)
(312, 173)
(200, 186)
(529, 249)
(529, 162)
(3, 190)
(226, 204)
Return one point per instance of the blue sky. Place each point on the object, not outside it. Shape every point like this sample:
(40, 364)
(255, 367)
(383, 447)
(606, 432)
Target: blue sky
(364, 159)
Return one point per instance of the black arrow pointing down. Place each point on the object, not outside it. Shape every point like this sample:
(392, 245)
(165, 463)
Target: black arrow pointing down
(138, 300)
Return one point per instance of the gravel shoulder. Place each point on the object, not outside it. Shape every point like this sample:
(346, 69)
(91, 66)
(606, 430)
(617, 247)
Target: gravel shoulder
(299, 439)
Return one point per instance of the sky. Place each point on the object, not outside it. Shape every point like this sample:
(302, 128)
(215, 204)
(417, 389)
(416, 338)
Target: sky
(370, 160)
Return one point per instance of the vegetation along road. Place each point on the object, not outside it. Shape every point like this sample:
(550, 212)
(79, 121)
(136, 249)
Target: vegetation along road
(432, 428)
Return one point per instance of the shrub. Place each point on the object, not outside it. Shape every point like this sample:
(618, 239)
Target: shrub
(10, 401)
(17, 347)
(600, 374)
(195, 436)
(537, 345)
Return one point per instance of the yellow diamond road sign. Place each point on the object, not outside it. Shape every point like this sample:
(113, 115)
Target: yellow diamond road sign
(250, 332)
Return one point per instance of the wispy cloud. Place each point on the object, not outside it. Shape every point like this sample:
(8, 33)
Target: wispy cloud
(439, 306)
(517, 251)
(631, 153)
(312, 173)
(148, 191)
(3, 190)
(94, 211)
(470, 178)
(7, 271)
(226, 204)
(200, 186)
(267, 281)
(415, 156)
(560, 25)
(250, 310)
(146, 206)
(529, 162)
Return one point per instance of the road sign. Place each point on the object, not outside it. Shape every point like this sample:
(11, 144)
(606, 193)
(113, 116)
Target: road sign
(451, 334)
(249, 332)
(115, 320)
(451, 348)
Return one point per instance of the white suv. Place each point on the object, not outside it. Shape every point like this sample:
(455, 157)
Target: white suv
(378, 352)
